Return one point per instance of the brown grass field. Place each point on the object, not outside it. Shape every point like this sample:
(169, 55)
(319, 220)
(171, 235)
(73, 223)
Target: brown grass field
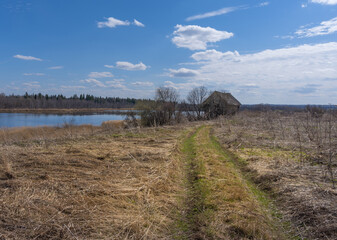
(232, 178)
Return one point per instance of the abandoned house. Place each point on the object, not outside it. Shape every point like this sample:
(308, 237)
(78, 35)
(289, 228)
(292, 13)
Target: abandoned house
(219, 103)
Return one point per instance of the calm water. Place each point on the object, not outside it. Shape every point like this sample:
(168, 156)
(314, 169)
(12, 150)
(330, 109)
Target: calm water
(32, 120)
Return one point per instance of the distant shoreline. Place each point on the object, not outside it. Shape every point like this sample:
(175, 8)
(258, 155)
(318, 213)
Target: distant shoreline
(65, 111)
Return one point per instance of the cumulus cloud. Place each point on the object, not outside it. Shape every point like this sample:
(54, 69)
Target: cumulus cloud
(112, 23)
(277, 72)
(100, 75)
(213, 55)
(94, 82)
(183, 72)
(116, 83)
(33, 74)
(55, 67)
(195, 37)
(325, 28)
(28, 58)
(128, 66)
(143, 84)
(138, 24)
(325, 2)
(221, 11)
(32, 84)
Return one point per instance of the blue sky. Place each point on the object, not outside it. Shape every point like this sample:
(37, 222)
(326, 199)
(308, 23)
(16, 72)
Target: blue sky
(261, 51)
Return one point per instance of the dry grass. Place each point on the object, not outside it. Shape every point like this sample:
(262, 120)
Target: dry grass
(296, 174)
(237, 212)
(108, 182)
(110, 185)
(48, 135)
(112, 125)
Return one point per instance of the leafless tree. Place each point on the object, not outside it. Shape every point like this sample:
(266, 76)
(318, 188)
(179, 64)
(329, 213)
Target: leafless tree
(195, 98)
(167, 98)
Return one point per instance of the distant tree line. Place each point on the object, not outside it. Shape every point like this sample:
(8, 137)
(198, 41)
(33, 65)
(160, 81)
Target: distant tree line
(41, 101)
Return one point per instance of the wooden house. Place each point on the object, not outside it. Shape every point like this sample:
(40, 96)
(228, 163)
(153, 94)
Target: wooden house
(219, 103)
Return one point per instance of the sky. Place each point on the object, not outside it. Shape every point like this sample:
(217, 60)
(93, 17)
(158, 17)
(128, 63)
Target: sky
(276, 51)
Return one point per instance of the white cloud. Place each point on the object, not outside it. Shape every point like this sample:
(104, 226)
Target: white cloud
(325, 2)
(116, 83)
(72, 87)
(325, 28)
(33, 74)
(128, 66)
(276, 74)
(112, 23)
(222, 11)
(144, 84)
(29, 58)
(213, 13)
(109, 66)
(138, 24)
(183, 72)
(195, 37)
(93, 81)
(264, 4)
(100, 75)
(213, 55)
(182, 86)
(55, 67)
(32, 84)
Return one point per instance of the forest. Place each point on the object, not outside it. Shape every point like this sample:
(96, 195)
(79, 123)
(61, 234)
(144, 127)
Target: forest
(41, 101)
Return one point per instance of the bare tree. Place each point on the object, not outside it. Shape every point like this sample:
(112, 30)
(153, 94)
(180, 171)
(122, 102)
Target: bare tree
(195, 98)
(167, 98)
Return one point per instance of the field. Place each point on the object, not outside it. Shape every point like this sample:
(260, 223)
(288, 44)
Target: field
(241, 177)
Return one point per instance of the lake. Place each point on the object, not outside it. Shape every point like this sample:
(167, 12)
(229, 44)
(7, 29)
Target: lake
(32, 120)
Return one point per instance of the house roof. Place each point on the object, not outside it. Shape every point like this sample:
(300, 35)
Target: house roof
(225, 97)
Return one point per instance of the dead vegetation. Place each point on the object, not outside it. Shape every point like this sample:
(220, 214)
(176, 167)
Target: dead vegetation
(109, 185)
(221, 203)
(115, 182)
(293, 156)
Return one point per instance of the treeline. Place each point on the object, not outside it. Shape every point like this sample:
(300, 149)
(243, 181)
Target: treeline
(41, 101)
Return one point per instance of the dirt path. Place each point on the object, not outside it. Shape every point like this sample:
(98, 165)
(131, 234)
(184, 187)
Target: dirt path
(220, 203)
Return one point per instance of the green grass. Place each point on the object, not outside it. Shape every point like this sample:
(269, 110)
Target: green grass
(198, 211)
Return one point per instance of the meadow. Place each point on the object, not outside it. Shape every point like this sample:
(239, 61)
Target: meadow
(254, 175)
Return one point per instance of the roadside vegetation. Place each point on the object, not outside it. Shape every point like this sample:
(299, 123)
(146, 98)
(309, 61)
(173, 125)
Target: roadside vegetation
(292, 157)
